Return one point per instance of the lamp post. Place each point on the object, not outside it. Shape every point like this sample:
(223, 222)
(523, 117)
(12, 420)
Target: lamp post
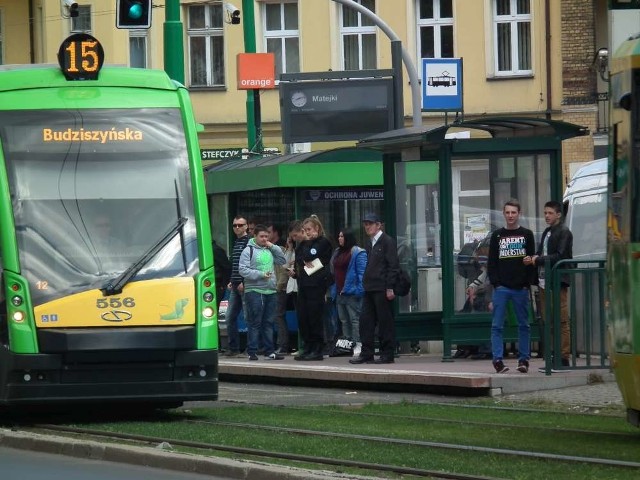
(254, 124)
(398, 53)
(406, 58)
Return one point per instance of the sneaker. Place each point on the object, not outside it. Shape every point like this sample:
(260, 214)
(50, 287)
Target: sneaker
(523, 366)
(357, 349)
(500, 366)
(274, 356)
(253, 356)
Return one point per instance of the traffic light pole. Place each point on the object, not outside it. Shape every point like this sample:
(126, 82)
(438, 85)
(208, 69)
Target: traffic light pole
(173, 48)
(254, 123)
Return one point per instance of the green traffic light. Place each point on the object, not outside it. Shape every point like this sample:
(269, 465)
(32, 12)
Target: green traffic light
(135, 11)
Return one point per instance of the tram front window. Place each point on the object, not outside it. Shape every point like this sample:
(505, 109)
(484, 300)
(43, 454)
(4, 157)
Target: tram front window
(93, 191)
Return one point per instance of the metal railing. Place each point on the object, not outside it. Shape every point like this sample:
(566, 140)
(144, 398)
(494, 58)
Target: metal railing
(585, 299)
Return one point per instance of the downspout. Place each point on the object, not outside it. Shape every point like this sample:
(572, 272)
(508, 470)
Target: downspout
(32, 41)
(547, 26)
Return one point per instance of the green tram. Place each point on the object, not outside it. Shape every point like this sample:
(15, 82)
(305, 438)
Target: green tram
(108, 288)
(623, 245)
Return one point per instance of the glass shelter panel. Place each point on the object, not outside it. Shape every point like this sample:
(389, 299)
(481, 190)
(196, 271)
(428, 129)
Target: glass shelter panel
(418, 234)
(480, 187)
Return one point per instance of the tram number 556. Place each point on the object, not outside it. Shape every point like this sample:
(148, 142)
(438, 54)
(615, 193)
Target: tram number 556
(116, 302)
(80, 57)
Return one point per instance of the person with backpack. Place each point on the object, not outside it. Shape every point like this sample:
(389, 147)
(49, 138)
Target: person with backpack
(380, 278)
(257, 267)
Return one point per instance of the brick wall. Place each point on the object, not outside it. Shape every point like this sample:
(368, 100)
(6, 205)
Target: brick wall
(579, 83)
(578, 49)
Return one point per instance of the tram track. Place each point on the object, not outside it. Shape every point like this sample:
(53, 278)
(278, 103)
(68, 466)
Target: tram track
(630, 436)
(209, 448)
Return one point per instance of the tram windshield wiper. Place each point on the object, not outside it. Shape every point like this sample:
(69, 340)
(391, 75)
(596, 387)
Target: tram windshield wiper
(116, 285)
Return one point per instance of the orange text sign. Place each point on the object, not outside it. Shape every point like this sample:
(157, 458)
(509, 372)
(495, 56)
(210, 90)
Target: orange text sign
(256, 71)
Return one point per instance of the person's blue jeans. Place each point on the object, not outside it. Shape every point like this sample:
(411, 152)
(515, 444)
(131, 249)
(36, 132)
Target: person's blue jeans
(520, 301)
(349, 307)
(261, 312)
(235, 304)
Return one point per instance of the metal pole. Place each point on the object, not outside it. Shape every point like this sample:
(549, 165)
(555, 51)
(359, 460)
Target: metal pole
(408, 63)
(254, 137)
(173, 48)
(396, 64)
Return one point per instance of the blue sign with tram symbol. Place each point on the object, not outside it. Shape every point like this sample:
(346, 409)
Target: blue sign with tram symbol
(442, 84)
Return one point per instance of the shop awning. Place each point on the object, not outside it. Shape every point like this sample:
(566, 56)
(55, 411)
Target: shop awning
(348, 166)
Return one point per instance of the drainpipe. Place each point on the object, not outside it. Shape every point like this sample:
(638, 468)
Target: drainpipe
(547, 26)
(32, 42)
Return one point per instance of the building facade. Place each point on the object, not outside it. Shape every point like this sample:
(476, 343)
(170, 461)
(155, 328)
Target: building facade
(520, 57)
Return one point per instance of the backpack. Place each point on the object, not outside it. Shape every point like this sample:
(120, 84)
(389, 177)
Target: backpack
(467, 265)
(403, 284)
(221, 266)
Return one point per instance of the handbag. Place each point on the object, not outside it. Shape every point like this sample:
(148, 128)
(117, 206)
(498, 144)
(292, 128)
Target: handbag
(292, 285)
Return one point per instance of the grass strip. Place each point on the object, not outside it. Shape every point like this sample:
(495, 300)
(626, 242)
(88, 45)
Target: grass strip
(603, 436)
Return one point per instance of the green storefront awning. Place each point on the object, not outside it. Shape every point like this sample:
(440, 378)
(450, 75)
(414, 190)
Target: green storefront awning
(326, 168)
(342, 167)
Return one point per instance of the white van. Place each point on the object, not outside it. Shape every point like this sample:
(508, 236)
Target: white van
(585, 206)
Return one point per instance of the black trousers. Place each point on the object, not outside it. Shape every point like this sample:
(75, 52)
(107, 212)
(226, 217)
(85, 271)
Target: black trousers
(309, 309)
(377, 311)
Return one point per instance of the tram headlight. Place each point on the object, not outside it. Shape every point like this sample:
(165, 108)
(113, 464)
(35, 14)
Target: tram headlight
(208, 312)
(18, 317)
(16, 300)
(208, 297)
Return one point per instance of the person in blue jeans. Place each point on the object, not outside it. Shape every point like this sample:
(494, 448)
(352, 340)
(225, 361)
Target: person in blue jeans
(257, 264)
(511, 280)
(347, 265)
(236, 288)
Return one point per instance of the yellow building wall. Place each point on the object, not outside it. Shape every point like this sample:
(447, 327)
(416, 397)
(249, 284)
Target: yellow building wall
(15, 26)
(223, 110)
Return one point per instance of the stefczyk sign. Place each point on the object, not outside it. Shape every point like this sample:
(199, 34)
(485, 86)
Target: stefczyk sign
(256, 71)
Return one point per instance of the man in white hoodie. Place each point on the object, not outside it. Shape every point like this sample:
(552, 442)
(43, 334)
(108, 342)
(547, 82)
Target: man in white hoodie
(257, 268)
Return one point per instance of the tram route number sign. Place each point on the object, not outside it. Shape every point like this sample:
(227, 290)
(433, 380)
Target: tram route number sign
(80, 57)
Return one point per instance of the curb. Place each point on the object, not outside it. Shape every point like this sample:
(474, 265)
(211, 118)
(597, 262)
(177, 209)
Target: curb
(161, 459)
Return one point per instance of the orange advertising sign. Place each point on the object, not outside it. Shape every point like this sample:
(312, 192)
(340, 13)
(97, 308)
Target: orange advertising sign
(256, 71)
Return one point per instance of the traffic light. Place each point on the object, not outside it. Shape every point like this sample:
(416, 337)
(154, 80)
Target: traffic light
(133, 13)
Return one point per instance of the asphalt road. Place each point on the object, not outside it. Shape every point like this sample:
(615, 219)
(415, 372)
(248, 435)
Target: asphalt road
(30, 465)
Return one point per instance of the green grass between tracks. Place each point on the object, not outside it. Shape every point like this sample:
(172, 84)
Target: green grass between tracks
(542, 430)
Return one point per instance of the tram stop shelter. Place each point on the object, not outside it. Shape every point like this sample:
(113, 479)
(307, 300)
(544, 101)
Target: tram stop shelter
(442, 225)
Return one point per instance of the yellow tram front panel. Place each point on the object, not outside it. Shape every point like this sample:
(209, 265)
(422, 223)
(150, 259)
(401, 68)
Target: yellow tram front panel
(163, 302)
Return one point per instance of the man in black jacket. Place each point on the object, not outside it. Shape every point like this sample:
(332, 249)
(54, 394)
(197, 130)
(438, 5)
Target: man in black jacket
(556, 244)
(377, 305)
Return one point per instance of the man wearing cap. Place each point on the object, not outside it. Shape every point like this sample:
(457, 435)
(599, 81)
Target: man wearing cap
(379, 278)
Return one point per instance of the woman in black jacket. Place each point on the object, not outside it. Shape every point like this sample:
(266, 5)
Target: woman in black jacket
(312, 271)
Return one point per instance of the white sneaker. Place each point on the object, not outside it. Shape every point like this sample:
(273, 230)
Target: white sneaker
(357, 349)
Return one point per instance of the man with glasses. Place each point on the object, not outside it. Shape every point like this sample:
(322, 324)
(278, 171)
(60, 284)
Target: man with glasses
(236, 287)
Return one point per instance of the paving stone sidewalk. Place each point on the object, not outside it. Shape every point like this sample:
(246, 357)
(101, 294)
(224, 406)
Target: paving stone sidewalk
(586, 396)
